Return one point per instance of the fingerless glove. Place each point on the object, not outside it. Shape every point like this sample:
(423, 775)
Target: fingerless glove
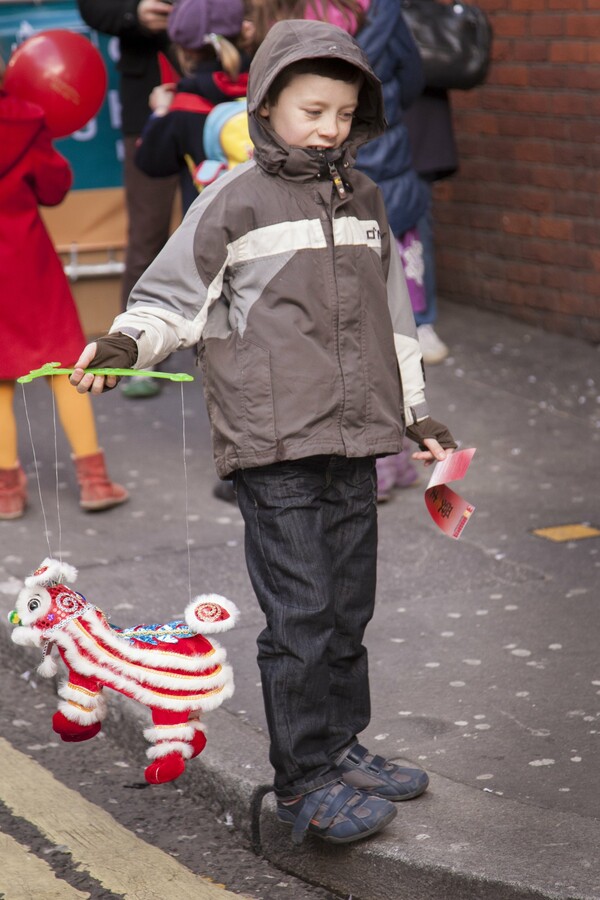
(429, 428)
(114, 351)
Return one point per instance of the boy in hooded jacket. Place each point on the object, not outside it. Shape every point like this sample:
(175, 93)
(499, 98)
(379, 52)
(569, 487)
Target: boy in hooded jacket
(286, 272)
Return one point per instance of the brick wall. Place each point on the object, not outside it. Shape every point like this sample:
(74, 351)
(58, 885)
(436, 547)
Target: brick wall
(518, 229)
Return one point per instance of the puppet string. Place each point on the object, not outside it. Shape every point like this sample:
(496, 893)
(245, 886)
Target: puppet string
(185, 478)
(37, 473)
(56, 476)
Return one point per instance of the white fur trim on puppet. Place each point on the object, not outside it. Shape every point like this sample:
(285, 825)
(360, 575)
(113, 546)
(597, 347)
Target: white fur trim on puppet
(111, 667)
(169, 733)
(51, 571)
(25, 636)
(157, 656)
(47, 668)
(81, 696)
(76, 713)
(166, 747)
(211, 613)
(220, 687)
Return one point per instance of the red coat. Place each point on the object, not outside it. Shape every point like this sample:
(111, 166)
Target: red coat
(38, 317)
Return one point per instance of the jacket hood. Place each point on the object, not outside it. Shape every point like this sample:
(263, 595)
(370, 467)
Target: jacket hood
(20, 123)
(291, 41)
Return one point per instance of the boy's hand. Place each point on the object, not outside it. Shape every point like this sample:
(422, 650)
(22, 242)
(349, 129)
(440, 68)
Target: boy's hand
(85, 381)
(112, 351)
(434, 440)
(434, 453)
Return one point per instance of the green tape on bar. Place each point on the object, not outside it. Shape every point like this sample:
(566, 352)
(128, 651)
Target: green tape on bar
(54, 368)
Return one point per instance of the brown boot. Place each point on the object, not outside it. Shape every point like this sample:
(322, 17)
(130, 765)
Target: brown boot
(97, 490)
(13, 492)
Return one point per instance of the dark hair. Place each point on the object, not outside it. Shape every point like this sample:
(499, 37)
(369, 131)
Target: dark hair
(326, 67)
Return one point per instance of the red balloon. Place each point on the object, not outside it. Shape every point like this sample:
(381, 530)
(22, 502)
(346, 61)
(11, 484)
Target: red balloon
(62, 72)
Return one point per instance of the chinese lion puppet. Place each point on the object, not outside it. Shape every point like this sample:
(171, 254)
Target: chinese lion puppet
(173, 669)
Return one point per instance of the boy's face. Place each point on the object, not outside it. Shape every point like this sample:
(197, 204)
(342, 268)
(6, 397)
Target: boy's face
(313, 112)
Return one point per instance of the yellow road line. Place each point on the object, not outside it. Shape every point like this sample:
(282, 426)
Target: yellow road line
(24, 876)
(99, 845)
(560, 533)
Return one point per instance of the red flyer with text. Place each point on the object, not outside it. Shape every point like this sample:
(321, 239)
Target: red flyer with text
(449, 511)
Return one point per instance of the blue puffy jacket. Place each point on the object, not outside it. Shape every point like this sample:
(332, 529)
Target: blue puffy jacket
(395, 59)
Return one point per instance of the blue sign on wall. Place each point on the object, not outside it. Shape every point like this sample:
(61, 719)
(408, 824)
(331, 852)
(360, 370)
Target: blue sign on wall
(95, 152)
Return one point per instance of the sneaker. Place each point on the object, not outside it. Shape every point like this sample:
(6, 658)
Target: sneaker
(137, 387)
(433, 349)
(336, 813)
(375, 775)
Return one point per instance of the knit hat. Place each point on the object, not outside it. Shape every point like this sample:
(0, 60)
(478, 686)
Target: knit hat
(191, 21)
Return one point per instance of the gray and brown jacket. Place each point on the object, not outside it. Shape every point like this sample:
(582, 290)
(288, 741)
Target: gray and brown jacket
(295, 293)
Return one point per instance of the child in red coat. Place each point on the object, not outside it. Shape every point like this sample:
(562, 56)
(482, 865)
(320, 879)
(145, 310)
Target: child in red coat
(38, 317)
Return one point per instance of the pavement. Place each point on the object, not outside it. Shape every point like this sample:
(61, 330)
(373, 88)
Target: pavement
(483, 651)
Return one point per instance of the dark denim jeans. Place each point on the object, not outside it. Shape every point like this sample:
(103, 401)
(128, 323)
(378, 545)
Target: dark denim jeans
(311, 551)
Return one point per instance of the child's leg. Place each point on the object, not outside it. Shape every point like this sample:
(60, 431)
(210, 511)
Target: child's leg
(350, 517)
(76, 416)
(290, 568)
(8, 426)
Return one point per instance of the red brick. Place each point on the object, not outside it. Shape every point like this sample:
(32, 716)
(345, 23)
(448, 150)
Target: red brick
(493, 6)
(509, 75)
(479, 123)
(577, 155)
(568, 52)
(549, 76)
(583, 78)
(521, 102)
(519, 223)
(573, 203)
(555, 229)
(569, 5)
(547, 25)
(531, 51)
(509, 26)
(585, 26)
(525, 273)
(576, 304)
(594, 53)
(534, 151)
(552, 129)
(518, 126)
(552, 254)
(553, 177)
(585, 233)
(528, 5)
(571, 104)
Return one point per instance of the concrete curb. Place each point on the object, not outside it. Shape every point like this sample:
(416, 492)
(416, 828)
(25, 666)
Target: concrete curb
(455, 843)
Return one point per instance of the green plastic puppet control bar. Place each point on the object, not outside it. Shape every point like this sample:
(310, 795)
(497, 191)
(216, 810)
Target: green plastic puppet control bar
(54, 368)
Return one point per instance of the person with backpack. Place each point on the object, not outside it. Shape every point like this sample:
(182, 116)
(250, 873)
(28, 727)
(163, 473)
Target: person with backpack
(215, 72)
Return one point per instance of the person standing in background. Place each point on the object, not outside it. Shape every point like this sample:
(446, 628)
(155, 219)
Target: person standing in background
(38, 315)
(434, 155)
(141, 26)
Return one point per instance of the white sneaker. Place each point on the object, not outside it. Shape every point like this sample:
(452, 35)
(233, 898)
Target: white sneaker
(433, 349)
